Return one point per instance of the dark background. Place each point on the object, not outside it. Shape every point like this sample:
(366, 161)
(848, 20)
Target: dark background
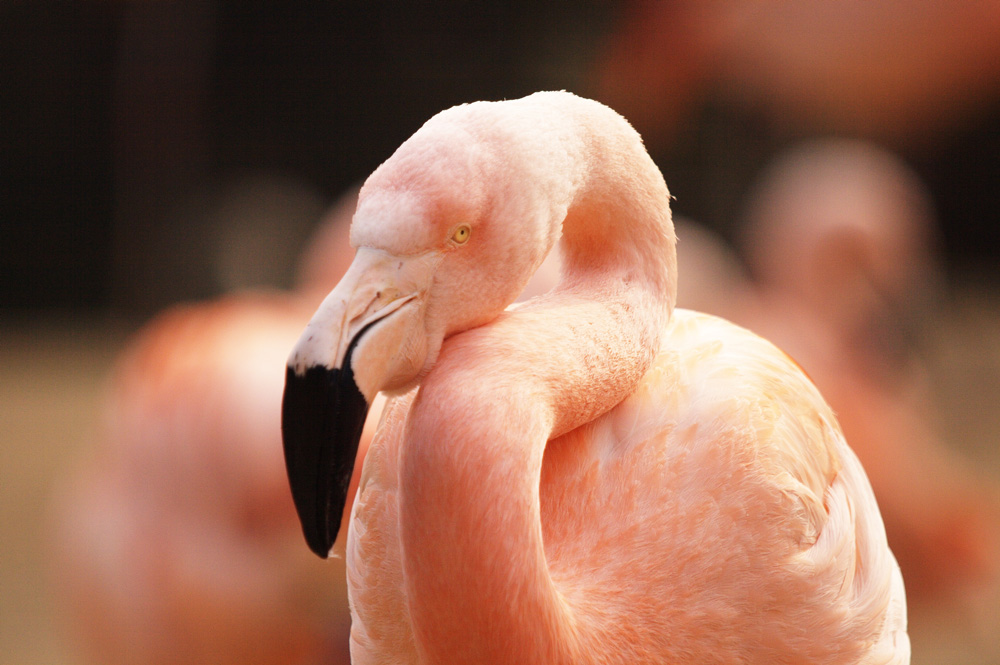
(128, 129)
(117, 115)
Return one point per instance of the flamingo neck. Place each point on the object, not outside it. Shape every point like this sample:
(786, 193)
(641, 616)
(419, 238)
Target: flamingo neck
(476, 574)
(477, 582)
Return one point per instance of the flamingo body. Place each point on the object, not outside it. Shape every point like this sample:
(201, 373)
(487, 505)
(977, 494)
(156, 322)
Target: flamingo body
(591, 476)
(661, 517)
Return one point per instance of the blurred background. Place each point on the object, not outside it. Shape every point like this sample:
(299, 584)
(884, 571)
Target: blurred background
(837, 165)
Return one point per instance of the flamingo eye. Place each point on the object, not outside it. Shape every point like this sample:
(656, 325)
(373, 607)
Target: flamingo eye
(461, 234)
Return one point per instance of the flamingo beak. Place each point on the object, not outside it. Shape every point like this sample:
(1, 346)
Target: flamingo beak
(358, 342)
(320, 449)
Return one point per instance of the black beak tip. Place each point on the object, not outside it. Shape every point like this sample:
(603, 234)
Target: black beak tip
(321, 544)
(322, 416)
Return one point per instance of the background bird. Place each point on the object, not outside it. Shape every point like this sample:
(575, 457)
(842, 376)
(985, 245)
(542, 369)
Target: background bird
(175, 542)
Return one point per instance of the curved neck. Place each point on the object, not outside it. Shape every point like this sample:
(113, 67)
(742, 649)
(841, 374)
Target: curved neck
(619, 271)
(476, 575)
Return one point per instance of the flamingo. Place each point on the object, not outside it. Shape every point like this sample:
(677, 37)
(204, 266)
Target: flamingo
(592, 476)
(176, 543)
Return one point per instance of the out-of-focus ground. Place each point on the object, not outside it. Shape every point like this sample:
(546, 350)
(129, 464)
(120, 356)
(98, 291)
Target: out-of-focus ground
(53, 370)
(52, 373)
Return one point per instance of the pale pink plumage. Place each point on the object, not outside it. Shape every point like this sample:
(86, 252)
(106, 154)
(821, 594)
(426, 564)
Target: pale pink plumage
(590, 477)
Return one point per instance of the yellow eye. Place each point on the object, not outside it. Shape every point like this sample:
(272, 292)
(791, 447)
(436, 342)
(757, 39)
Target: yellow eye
(461, 234)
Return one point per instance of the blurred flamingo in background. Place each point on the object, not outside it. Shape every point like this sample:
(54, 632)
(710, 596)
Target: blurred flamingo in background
(905, 72)
(839, 237)
(176, 540)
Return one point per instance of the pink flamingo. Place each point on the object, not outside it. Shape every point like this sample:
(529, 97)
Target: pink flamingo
(175, 543)
(592, 476)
